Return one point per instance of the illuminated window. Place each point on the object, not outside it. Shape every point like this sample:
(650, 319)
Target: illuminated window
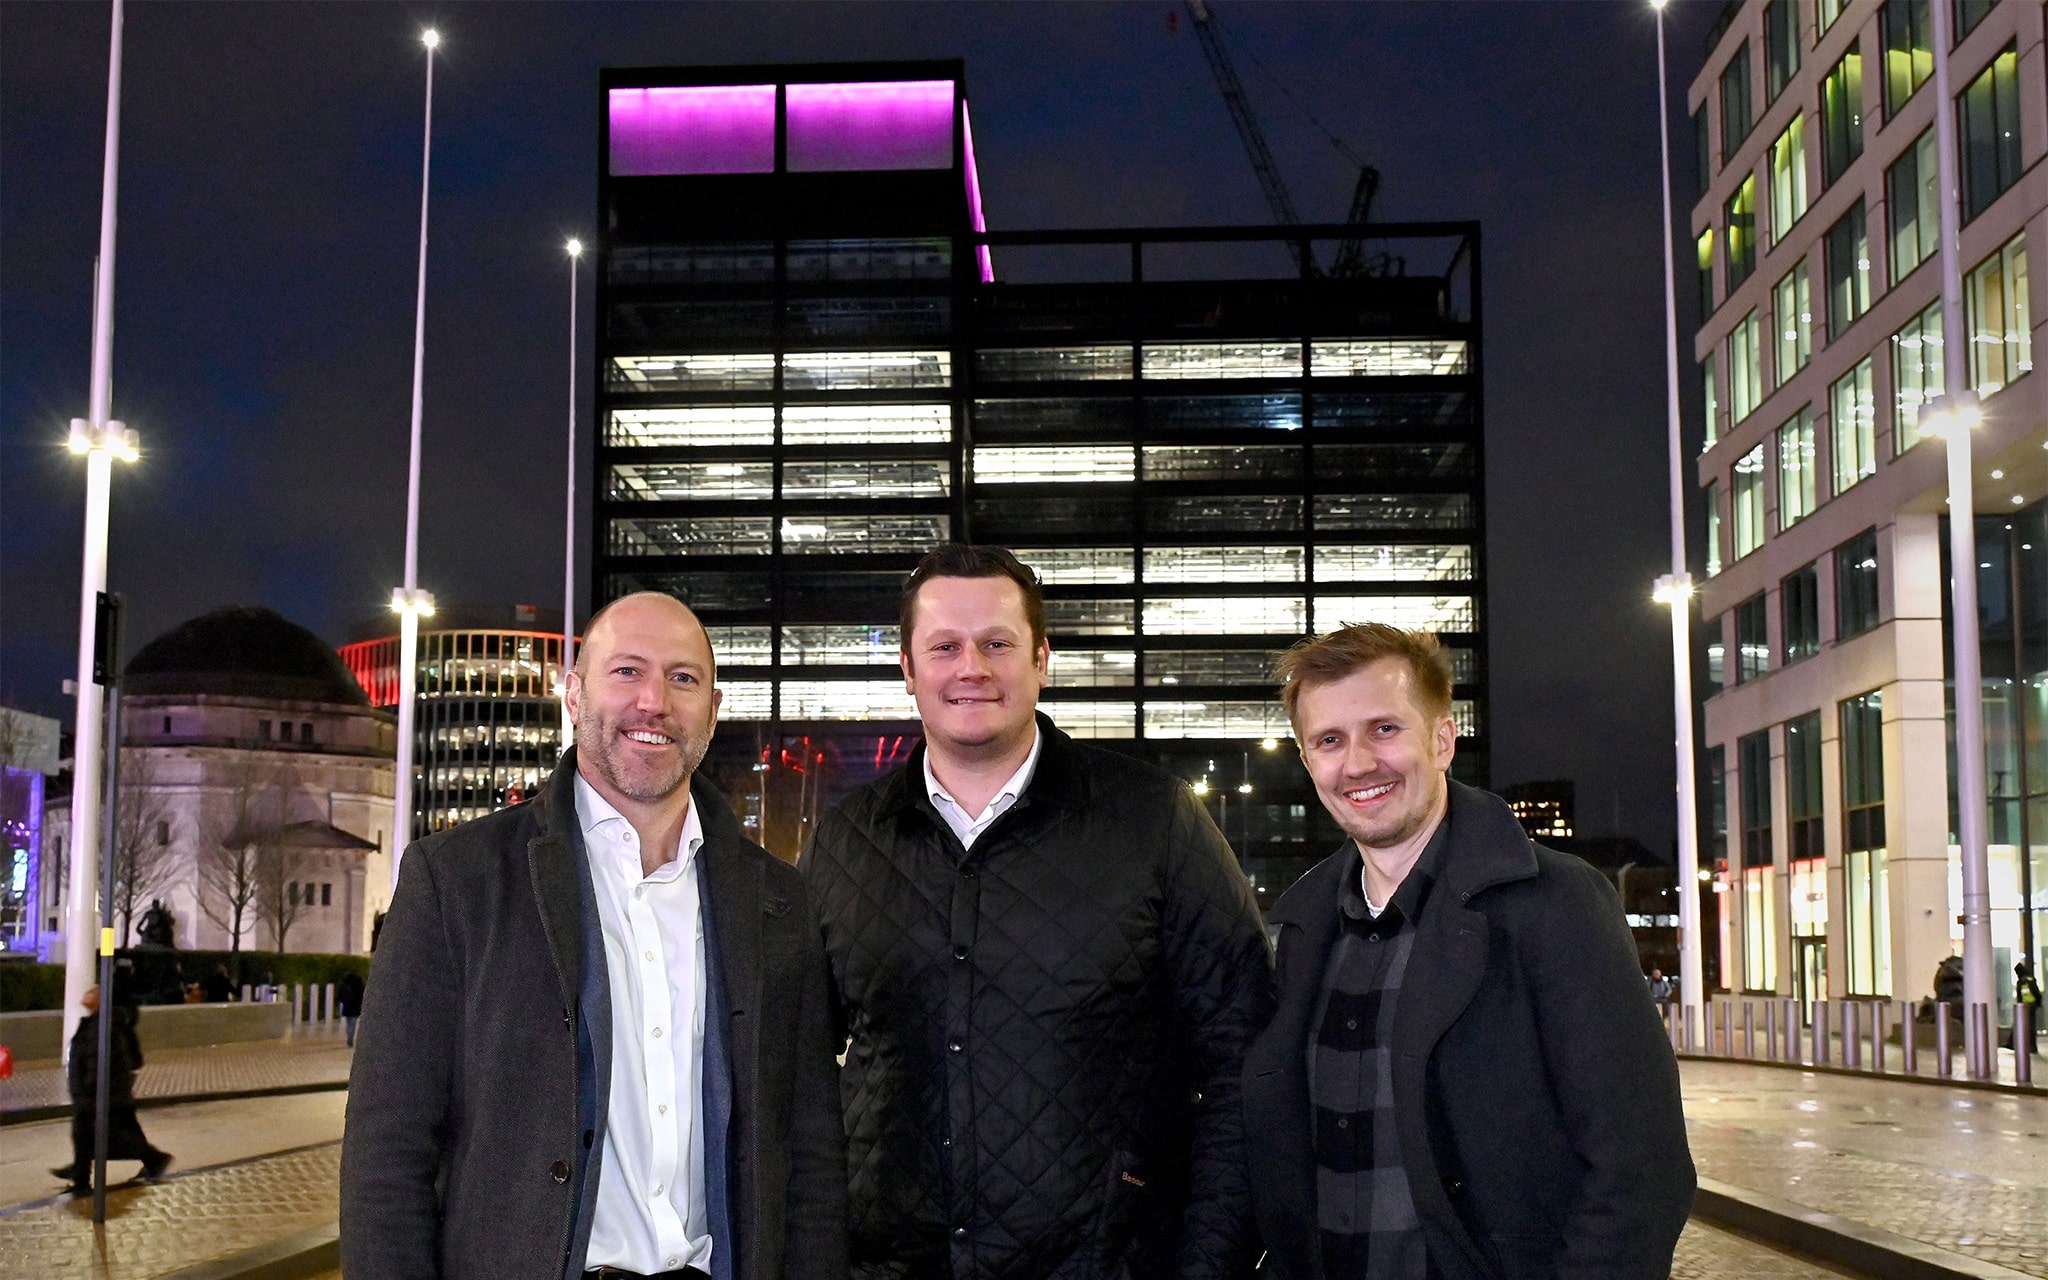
(2000, 333)
(1798, 491)
(1906, 30)
(1068, 464)
(846, 700)
(1912, 202)
(1711, 394)
(1093, 668)
(1417, 613)
(746, 699)
(746, 372)
(681, 481)
(1222, 462)
(1278, 412)
(1210, 666)
(1094, 719)
(845, 644)
(1752, 639)
(1392, 512)
(1788, 179)
(1841, 116)
(861, 370)
(1741, 224)
(1226, 615)
(1852, 429)
(1465, 717)
(739, 646)
(1794, 305)
(866, 478)
(702, 425)
(869, 534)
(1054, 364)
(1249, 515)
(1864, 851)
(1426, 562)
(1848, 265)
(1264, 718)
(1748, 489)
(867, 423)
(1090, 617)
(1223, 564)
(1066, 566)
(1706, 267)
(1916, 374)
(695, 536)
(1990, 127)
(1164, 360)
(1746, 366)
(1385, 357)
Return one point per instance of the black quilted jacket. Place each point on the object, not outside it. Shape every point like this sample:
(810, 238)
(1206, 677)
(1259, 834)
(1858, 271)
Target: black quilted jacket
(1046, 1033)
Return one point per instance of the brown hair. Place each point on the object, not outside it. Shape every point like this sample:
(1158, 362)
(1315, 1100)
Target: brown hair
(959, 560)
(1328, 658)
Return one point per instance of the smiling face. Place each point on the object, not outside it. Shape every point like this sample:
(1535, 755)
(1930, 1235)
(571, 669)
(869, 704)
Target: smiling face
(970, 664)
(1377, 758)
(643, 702)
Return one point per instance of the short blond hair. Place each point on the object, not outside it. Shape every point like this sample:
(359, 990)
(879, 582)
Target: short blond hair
(1328, 658)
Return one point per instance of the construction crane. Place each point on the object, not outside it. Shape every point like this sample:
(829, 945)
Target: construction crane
(1351, 259)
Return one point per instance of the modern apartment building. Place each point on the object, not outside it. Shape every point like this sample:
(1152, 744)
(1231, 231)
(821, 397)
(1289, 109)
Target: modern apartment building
(814, 363)
(1828, 708)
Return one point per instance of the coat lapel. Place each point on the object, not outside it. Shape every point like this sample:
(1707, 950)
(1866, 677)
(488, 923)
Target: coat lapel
(552, 861)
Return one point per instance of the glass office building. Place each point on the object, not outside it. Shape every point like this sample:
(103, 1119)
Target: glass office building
(815, 362)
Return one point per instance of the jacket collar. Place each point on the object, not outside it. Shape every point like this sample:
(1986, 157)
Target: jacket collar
(1060, 780)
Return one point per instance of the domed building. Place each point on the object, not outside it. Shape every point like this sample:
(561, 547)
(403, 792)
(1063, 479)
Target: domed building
(256, 787)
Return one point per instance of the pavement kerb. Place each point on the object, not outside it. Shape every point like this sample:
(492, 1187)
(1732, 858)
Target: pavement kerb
(309, 1253)
(36, 1115)
(1888, 1077)
(1852, 1246)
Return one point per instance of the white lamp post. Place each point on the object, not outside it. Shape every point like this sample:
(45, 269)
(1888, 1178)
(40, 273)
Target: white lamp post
(100, 440)
(409, 602)
(575, 248)
(1675, 591)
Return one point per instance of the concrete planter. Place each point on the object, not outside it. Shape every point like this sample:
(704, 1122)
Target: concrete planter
(40, 1034)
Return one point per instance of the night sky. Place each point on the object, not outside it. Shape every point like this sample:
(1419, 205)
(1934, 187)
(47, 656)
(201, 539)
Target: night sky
(269, 205)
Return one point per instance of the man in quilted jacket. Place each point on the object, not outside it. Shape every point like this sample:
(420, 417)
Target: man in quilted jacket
(1048, 965)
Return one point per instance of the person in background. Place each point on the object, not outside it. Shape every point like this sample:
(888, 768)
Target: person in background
(348, 1002)
(125, 1139)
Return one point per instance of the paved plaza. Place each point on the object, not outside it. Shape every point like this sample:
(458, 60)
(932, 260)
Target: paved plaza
(307, 1058)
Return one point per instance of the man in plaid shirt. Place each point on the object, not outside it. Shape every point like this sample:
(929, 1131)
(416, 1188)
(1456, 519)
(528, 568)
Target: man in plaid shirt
(1465, 1077)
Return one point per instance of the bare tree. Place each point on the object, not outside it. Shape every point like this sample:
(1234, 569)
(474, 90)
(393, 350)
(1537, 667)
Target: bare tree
(244, 824)
(144, 864)
(278, 890)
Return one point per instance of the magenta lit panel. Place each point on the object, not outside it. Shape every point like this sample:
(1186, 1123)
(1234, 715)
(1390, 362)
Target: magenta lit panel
(693, 129)
(892, 124)
(981, 255)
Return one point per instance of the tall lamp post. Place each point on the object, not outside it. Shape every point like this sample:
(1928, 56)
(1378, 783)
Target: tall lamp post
(100, 440)
(1675, 591)
(409, 602)
(575, 248)
(1954, 416)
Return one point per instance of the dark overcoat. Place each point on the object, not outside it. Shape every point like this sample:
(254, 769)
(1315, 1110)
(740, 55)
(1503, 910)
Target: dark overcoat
(478, 1095)
(1536, 1096)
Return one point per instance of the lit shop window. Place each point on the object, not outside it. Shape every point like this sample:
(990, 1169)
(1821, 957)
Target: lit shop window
(839, 535)
(696, 536)
(739, 646)
(846, 700)
(1388, 357)
(851, 370)
(1223, 564)
(682, 481)
(1093, 668)
(1070, 464)
(1264, 718)
(1436, 562)
(867, 424)
(1212, 463)
(1347, 513)
(1054, 364)
(748, 371)
(1069, 566)
(697, 425)
(1094, 719)
(840, 645)
(1226, 615)
(1417, 613)
(1163, 360)
(1210, 666)
(911, 478)
(1090, 617)
(744, 700)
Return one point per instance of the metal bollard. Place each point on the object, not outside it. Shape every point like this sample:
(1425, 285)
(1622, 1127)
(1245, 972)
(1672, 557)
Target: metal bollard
(1748, 1029)
(248, 993)
(1852, 1036)
(1688, 1030)
(1820, 1033)
(297, 993)
(1909, 1039)
(1943, 1049)
(1771, 1031)
(1788, 1018)
(1984, 1063)
(1877, 1012)
(327, 1006)
(2022, 1044)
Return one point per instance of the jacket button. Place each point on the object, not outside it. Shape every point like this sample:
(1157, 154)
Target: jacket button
(959, 953)
(959, 1233)
(559, 1171)
(954, 1045)
(1454, 1187)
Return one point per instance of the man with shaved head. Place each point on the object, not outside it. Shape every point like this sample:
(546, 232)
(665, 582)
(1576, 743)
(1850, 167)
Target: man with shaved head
(596, 1038)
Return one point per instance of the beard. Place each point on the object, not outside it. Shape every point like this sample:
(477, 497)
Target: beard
(644, 780)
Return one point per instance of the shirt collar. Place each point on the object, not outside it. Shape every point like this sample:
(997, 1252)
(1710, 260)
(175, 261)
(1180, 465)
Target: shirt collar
(1406, 904)
(1009, 791)
(598, 817)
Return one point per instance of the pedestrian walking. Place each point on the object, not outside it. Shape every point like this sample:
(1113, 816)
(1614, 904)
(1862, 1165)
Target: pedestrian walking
(348, 1001)
(2026, 991)
(125, 1139)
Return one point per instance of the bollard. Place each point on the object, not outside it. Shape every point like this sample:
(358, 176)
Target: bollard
(1771, 1031)
(1688, 1030)
(1852, 1036)
(2022, 1043)
(1822, 1015)
(1748, 1029)
(1909, 1040)
(1788, 1019)
(297, 992)
(248, 993)
(1877, 1012)
(1670, 1013)
(1943, 1049)
(1984, 1061)
(327, 1006)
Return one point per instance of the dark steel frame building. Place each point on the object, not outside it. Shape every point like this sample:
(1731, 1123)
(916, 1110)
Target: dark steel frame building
(814, 362)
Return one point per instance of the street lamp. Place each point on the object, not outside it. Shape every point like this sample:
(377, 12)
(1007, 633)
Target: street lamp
(409, 602)
(1675, 590)
(99, 439)
(575, 249)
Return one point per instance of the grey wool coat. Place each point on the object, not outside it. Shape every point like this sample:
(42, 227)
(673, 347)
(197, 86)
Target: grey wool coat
(478, 1095)
(1536, 1097)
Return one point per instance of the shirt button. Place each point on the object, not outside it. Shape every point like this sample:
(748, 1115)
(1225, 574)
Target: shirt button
(672, 1264)
(648, 954)
(1343, 1123)
(657, 1188)
(663, 1108)
(954, 1045)
(1351, 1024)
(657, 1033)
(959, 1233)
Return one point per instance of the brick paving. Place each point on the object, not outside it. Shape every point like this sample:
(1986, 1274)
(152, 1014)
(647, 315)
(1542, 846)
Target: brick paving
(1960, 1169)
(310, 1057)
(1707, 1252)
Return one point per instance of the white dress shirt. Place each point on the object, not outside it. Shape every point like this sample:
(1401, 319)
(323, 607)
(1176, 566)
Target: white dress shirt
(650, 1214)
(965, 825)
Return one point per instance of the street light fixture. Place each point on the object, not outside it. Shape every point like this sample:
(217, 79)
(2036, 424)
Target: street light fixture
(575, 250)
(409, 602)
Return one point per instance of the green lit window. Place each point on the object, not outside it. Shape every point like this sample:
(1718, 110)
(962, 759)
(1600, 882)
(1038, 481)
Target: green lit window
(2000, 333)
(1841, 117)
(1712, 394)
(1910, 193)
(1906, 29)
(1788, 178)
(1916, 374)
(1741, 214)
(1989, 121)
(1797, 491)
(1794, 305)
(1706, 258)
(1852, 427)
